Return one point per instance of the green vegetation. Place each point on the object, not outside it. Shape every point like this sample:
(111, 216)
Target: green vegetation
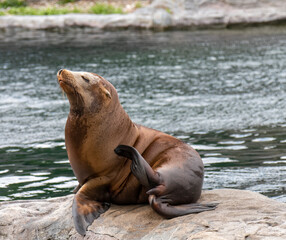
(66, 1)
(12, 3)
(101, 8)
(138, 5)
(20, 8)
(169, 10)
(41, 11)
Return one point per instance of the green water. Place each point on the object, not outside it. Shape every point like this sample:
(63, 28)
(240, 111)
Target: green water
(223, 92)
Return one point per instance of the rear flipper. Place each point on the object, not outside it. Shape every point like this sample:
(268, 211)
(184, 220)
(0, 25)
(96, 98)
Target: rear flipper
(139, 167)
(154, 182)
(170, 211)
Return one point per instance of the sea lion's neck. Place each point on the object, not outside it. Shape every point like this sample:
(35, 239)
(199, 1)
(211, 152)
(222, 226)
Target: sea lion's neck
(115, 127)
(102, 125)
(92, 139)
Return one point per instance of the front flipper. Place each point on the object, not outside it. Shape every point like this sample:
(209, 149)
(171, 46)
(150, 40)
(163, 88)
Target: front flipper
(91, 200)
(85, 211)
(76, 189)
(139, 167)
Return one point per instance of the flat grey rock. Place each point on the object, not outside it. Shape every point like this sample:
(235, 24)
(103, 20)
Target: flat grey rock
(239, 215)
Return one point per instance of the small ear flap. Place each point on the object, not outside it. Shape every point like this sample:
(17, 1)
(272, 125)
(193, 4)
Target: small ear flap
(107, 93)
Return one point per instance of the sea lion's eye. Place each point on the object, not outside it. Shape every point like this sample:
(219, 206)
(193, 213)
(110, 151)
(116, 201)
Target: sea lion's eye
(85, 79)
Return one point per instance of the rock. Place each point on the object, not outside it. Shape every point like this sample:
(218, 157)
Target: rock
(161, 18)
(165, 14)
(239, 215)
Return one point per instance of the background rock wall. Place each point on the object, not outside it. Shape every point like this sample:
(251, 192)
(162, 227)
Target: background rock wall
(193, 4)
(165, 14)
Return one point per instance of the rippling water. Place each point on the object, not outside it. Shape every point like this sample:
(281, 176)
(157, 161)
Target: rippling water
(221, 91)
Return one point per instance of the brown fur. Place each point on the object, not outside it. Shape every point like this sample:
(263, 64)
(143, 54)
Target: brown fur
(96, 125)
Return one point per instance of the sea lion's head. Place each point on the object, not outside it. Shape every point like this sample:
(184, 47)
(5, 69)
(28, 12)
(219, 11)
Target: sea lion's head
(87, 92)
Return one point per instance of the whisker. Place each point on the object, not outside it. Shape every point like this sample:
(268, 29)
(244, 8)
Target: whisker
(63, 93)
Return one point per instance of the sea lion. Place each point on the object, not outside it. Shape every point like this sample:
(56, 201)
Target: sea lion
(101, 140)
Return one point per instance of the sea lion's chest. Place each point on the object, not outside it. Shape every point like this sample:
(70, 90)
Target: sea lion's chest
(90, 149)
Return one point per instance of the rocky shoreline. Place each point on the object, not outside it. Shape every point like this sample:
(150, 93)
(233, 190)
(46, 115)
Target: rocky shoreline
(165, 14)
(239, 215)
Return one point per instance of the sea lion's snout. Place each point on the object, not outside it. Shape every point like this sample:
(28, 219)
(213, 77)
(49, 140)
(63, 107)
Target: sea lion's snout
(65, 76)
(59, 75)
(62, 73)
(65, 80)
(59, 72)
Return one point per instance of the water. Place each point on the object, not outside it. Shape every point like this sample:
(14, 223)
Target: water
(222, 91)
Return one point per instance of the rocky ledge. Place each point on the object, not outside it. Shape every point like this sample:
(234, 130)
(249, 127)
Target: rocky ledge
(162, 14)
(239, 215)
